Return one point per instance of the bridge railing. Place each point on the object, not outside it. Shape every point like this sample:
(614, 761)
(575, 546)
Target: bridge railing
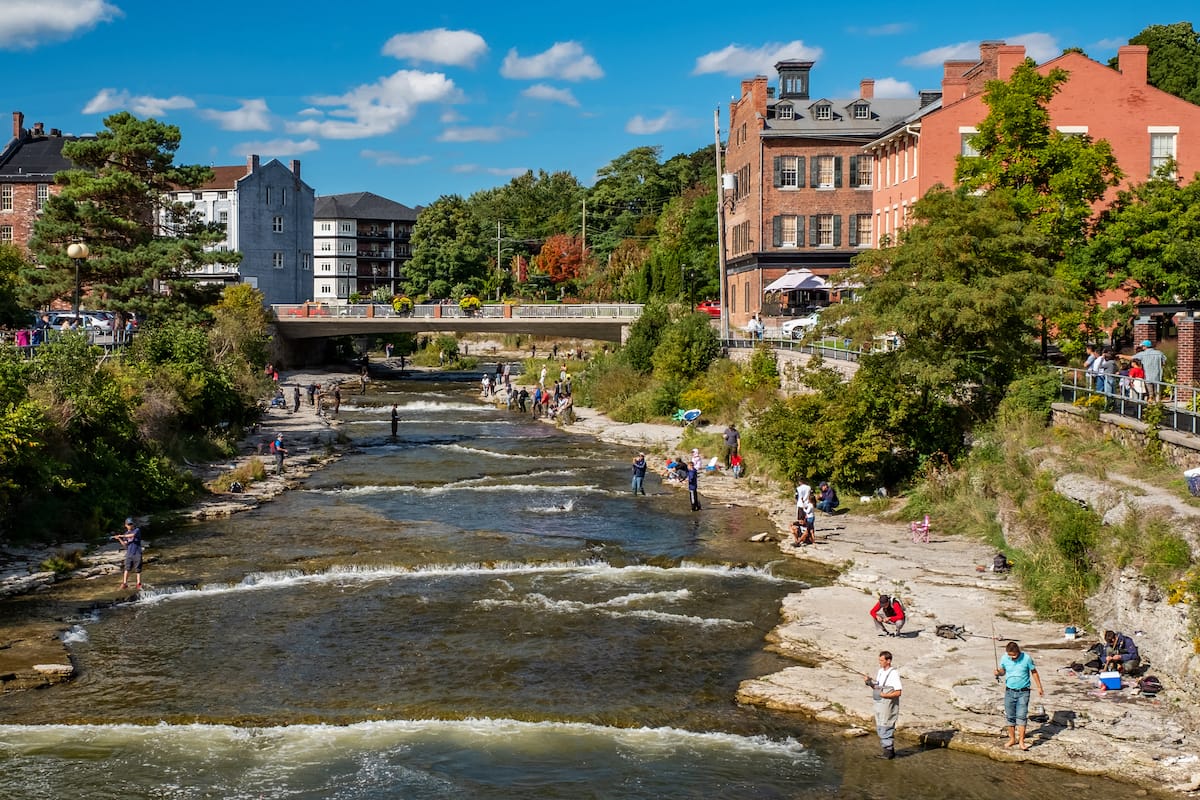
(630, 311)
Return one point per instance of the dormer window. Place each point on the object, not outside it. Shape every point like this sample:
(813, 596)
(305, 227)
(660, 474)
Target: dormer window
(783, 111)
(823, 111)
(862, 111)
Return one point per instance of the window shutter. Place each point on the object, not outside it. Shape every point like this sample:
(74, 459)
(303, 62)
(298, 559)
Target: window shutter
(813, 231)
(837, 172)
(852, 233)
(800, 177)
(800, 230)
(837, 229)
(778, 170)
(853, 171)
(815, 178)
(777, 231)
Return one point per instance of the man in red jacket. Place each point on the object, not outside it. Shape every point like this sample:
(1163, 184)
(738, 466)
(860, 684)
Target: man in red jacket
(888, 611)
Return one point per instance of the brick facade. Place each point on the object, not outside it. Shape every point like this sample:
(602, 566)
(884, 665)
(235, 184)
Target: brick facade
(28, 164)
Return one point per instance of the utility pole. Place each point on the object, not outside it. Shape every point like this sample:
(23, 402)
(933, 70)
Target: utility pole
(721, 267)
(583, 247)
(499, 274)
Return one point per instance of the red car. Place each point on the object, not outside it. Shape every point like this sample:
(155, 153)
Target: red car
(710, 307)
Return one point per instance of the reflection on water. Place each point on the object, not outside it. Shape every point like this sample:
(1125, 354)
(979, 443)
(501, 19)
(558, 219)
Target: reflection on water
(476, 608)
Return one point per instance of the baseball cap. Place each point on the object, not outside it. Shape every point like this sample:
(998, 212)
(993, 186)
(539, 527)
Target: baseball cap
(1147, 343)
(129, 520)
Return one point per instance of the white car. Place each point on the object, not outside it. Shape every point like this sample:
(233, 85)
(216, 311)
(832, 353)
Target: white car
(799, 327)
(84, 320)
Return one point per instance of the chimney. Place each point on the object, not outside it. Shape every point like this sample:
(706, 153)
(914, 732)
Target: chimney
(1131, 61)
(56, 132)
(954, 89)
(866, 89)
(39, 129)
(956, 68)
(251, 164)
(18, 124)
(295, 164)
(1008, 58)
(928, 96)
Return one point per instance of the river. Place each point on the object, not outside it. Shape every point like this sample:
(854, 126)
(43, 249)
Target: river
(477, 608)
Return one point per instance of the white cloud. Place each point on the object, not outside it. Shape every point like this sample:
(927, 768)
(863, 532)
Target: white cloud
(540, 91)
(276, 148)
(450, 116)
(504, 172)
(1038, 46)
(376, 108)
(384, 158)
(890, 87)
(476, 134)
(1108, 44)
(252, 115)
(438, 46)
(143, 105)
(889, 29)
(30, 23)
(565, 61)
(639, 125)
(736, 60)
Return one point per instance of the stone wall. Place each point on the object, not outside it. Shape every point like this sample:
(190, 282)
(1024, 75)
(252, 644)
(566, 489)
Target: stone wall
(790, 363)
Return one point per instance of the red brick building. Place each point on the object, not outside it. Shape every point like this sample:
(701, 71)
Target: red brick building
(1144, 125)
(28, 164)
(801, 193)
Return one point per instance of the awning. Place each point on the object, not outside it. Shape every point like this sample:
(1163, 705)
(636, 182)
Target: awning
(796, 279)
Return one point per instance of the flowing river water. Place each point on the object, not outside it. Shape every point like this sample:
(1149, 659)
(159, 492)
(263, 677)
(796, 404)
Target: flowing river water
(477, 608)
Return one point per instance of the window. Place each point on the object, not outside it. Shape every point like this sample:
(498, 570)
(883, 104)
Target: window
(784, 111)
(222, 195)
(268, 195)
(965, 147)
(277, 260)
(746, 296)
(346, 247)
(306, 262)
(1162, 151)
(326, 288)
(6, 197)
(825, 230)
(787, 231)
(43, 194)
(862, 111)
(826, 172)
(327, 227)
(277, 224)
(733, 295)
(346, 227)
(824, 111)
(223, 217)
(6, 233)
(861, 170)
(789, 172)
(326, 247)
(197, 197)
(860, 230)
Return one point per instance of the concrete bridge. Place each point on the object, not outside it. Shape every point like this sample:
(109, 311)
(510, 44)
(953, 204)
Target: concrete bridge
(603, 322)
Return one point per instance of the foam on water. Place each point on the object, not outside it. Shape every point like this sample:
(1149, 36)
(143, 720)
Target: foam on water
(465, 485)
(477, 451)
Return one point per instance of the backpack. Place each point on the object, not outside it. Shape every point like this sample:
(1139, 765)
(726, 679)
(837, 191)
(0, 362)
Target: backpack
(949, 631)
(1150, 685)
(1000, 563)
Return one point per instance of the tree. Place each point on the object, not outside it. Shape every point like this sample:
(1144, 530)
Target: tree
(688, 346)
(1054, 178)
(628, 194)
(449, 245)
(561, 258)
(1148, 242)
(142, 245)
(1174, 60)
(13, 313)
(965, 290)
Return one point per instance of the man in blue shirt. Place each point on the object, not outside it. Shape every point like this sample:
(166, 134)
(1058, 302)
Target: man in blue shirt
(1120, 653)
(1018, 669)
(693, 487)
(131, 540)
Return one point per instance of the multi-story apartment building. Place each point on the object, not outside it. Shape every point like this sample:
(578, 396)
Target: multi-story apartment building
(361, 242)
(1146, 127)
(267, 211)
(28, 164)
(801, 193)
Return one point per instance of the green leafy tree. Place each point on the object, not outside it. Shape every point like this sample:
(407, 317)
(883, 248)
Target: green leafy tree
(688, 346)
(1174, 60)
(965, 291)
(1148, 242)
(449, 244)
(13, 313)
(644, 335)
(1054, 178)
(625, 201)
(142, 244)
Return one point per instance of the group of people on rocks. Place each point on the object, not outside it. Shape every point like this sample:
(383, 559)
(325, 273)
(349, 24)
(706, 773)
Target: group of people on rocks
(554, 403)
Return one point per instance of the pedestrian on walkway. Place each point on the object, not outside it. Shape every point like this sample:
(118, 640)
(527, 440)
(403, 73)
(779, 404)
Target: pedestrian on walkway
(886, 689)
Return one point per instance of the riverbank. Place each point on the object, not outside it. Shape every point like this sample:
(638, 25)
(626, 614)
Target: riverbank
(950, 698)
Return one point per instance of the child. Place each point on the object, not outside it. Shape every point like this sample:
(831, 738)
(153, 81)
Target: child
(735, 463)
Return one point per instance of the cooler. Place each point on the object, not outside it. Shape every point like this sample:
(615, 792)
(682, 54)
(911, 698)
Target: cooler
(1110, 680)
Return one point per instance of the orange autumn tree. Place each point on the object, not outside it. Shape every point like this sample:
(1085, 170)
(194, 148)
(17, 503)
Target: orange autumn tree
(561, 258)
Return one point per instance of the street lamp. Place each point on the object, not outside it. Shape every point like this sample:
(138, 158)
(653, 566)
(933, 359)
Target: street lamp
(77, 251)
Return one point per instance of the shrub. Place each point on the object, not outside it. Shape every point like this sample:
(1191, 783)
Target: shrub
(62, 562)
(245, 474)
(1030, 396)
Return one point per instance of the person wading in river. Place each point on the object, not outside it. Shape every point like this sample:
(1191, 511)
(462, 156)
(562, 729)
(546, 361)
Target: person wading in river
(886, 689)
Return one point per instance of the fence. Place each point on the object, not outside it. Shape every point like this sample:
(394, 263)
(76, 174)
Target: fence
(1180, 403)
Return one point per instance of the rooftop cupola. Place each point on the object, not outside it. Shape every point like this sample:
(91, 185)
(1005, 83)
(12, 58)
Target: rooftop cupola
(793, 79)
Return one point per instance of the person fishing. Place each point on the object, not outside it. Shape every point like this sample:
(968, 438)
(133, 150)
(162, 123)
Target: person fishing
(131, 540)
(1018, 670)
(1120, 653)
(886, 690)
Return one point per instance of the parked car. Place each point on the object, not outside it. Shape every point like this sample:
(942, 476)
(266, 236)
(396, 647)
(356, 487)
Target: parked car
(84, 320)
(799, 327)
(710, 307)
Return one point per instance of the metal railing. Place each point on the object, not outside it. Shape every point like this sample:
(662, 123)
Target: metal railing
(630, 311)
(1124, 397)
(833, 352)
(110, 342)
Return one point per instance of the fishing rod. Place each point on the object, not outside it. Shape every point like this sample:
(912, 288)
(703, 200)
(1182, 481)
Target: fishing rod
(996, 652)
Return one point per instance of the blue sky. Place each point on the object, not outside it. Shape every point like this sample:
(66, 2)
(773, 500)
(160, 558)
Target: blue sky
(416, 100)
